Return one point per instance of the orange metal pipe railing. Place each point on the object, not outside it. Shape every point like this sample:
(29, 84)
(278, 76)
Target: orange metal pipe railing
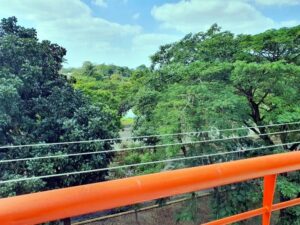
(67, 202)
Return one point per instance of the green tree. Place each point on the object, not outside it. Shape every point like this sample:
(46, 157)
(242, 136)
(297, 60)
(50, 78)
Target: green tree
(39, 105)
(107, 84)
(215, 78)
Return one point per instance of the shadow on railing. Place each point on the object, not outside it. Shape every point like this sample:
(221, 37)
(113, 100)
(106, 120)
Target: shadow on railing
(68, 202)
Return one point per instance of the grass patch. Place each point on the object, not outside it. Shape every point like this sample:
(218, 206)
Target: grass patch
(127, 122)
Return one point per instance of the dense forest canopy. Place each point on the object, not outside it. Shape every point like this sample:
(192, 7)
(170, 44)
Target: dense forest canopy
(250, 80)
(212, 79)
(39, 105)
(216, 78)
(105, 84)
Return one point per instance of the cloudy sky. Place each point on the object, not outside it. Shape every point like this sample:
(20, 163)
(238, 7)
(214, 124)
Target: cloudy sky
(126, 32)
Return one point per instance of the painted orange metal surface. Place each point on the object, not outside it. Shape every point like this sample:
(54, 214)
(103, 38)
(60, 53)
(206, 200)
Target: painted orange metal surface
(254, 213)
(238, 217)
(269, 190)
(286, 204)
(56, 204)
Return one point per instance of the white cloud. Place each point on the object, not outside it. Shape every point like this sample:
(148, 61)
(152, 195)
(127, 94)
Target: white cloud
(101, 3)
(278, 2)
(44, 10)
(194, 15)
(151, 41)
(145, 45)
(289, 23)
(71, 24)
(135, 16)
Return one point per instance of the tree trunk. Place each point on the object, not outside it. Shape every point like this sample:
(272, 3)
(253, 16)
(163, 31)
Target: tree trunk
(255, 114)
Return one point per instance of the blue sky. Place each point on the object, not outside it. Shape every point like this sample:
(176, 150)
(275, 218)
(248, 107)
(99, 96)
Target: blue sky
(127, 32)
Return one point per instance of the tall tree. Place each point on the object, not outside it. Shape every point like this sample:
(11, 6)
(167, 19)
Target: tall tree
(215, 78)
(39, 105)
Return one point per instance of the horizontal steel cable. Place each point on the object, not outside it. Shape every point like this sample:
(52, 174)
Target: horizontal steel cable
(141, 147)
(140, 137)
(142, 164)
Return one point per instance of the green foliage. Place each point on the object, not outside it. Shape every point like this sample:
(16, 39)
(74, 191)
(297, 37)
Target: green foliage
(136, 157)
(210, 46)
(205, 80)
(288, 189)
(236, 198)
(108, 85)
(189, 212)
(39, 105)
(125, 122)
(271, 45)
(217, 79)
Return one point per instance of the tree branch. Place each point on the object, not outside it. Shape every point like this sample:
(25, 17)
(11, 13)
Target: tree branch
(251, 128)
(263, 98)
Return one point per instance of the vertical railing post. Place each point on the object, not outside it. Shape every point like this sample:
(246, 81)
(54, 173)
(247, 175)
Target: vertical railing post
(269, 189)
(66, 221)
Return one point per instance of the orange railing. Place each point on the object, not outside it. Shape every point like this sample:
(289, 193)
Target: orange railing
(67, 202)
